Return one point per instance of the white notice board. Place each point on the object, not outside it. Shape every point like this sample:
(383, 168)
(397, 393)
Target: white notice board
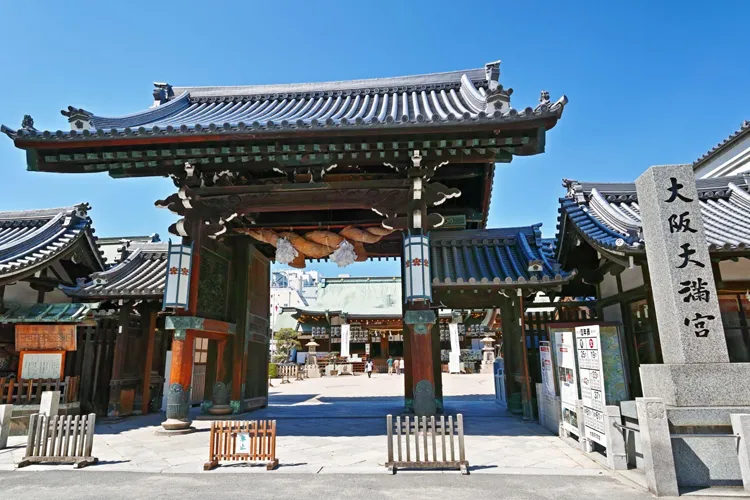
(588, 347)
(41, 365)
(566, 374)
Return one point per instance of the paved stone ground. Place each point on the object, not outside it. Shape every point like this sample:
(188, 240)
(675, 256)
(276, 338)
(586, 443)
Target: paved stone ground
(116, 485)
(332, 425)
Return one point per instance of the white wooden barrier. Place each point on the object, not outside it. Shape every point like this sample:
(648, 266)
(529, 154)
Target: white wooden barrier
(415, 443)
(62, 439)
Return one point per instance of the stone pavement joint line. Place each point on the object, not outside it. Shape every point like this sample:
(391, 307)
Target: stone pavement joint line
(334, 425)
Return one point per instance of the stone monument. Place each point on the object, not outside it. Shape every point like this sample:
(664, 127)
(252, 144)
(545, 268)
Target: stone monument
(696, 389)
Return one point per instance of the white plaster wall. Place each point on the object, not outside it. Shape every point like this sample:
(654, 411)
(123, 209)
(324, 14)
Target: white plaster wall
(631, 278)
(20, 292)
(612, 313)
(735, 271)
(56, 296)
(608, 286)
(732, 161)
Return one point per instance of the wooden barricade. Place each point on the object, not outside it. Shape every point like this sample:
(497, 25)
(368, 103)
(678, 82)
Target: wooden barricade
(29, 391)
(287, 371)
(252, 441)
(60, 439)
(418, 437)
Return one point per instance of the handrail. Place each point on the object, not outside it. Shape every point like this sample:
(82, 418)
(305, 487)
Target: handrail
(622, 427)
(682, 436)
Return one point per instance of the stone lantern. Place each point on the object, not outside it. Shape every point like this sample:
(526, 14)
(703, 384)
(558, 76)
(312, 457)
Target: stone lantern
(488, 355)
(311, 364)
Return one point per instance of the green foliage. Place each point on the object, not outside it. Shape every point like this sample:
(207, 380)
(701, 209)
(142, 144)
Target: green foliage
(286, 339)
(273, 370)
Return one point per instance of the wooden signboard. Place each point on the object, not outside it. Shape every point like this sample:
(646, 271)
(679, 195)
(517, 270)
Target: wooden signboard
(46, 337)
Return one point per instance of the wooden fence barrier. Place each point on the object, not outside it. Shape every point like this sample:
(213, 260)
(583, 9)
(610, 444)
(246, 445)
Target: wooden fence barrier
(252, 441)
(287, 371)
(29, 391)
(61, 439)
(419, 436)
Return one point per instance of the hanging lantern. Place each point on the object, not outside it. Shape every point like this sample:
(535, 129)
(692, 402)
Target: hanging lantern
(417, 284)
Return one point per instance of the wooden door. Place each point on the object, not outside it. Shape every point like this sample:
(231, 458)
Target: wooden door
(200, 358)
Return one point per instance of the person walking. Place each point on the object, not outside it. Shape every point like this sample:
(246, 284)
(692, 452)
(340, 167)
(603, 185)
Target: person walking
(368, 368)
(402, 365)
(390, 365)
(396, 366)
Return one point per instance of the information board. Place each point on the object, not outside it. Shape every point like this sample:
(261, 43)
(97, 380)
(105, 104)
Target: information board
(566, 374)
(548, 375)
(591, 375)
(41, 365)
(46, 337)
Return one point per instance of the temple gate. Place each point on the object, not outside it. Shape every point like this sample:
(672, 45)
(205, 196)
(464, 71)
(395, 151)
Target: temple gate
(345, 171)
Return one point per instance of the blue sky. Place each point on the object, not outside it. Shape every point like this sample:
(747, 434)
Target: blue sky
(649, 82)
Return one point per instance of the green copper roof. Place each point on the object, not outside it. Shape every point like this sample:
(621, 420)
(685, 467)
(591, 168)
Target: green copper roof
(285, 320)
(359, 296)
(47, 313)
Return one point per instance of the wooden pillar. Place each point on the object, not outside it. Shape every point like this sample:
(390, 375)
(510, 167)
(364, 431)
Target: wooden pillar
(118, 360)
(221, 346)
(526, 393)
(418, 322)
(238, 305)
(150, 335)
(180, 379)
(181, 371)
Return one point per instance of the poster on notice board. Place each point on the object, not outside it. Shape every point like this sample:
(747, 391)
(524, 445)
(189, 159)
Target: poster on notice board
(548, 374)
(566, 374)
(591, 375)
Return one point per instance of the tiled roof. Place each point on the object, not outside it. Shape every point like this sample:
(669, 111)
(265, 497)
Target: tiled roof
(743, 131)
(608, 215)
(47, 313)
(33, 239)
(141, 274)
(285, 319)
(421, 100)
(359, 297)
(494, 257)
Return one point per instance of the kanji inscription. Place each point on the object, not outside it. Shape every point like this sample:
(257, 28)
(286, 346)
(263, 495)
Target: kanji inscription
(682, 281)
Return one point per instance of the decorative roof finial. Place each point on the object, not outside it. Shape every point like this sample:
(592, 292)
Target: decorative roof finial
(162, 93)
(544, 96)
(492, 73)
(28, 122)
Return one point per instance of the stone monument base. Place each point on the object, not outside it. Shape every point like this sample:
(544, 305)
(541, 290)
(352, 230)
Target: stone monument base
(220, 410)
(175, 427)
(312, 371)
(698, 384)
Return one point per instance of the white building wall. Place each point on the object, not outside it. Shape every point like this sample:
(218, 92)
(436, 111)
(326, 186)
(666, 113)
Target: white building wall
(734, 160)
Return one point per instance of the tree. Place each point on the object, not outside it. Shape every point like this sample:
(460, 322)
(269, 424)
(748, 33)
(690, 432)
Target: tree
(286, 340)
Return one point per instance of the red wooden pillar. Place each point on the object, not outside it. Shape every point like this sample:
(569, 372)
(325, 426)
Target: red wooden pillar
(221, 346)
(420, 371)
(180, 380)
(182, 359)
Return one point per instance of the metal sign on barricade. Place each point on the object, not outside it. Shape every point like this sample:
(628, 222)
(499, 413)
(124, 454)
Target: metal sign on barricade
(251, 441)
